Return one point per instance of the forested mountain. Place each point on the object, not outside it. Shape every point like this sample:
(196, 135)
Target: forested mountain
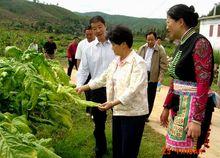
(138, 25)
(23, 14)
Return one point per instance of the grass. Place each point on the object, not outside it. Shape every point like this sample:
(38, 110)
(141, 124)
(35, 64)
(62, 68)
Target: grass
(151, 144)
(78, 142)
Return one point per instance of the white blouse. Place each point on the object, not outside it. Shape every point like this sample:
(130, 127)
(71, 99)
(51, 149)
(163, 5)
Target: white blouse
(127, 82)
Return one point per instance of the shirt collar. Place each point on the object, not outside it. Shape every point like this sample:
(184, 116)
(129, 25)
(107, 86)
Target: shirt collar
(100, 43)
(128, 59)
(91, 41)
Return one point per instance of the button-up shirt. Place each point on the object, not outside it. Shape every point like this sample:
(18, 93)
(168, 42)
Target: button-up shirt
(148, 57)
(95, 60)
(82, 46)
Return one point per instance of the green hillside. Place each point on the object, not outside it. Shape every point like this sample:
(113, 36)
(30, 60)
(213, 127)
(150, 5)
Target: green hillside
(138, 25)
(23, 14)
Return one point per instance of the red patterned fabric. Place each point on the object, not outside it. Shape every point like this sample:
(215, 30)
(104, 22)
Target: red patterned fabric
(202, 57)
(203, 66)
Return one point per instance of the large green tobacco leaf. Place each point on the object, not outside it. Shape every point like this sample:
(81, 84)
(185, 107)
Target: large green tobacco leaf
(21, 124)
(13, 147)
(60, 114)
(61, 75)
(13, 51)
(16, 145)
(17, 142)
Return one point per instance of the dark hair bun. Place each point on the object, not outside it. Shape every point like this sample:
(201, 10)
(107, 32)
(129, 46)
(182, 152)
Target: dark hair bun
(188, 14)
(192, 9)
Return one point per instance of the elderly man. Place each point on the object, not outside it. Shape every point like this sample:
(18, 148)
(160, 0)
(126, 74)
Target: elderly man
(156, 60)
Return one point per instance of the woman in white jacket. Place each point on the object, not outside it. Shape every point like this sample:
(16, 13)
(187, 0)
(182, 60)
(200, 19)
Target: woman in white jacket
(125, 81)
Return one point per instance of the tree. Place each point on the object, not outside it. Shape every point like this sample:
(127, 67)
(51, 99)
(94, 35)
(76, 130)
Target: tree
(217, 10)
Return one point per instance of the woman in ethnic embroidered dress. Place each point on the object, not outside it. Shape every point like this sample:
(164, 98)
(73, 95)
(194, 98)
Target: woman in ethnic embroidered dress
(188, 99)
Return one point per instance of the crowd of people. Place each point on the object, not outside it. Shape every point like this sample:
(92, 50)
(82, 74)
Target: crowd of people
(125, 81)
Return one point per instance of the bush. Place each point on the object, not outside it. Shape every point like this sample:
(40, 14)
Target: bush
(217, 57)
(169, 47)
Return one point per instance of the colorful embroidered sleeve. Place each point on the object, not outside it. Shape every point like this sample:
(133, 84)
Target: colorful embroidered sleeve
(168, 100)
(203, 66)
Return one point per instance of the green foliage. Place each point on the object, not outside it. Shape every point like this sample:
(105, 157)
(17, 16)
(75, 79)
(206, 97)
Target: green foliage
(217, 11)
(138, 42)
(16, 141)
(169, 48)
(39, 90)
(217, 57)
(22, 39)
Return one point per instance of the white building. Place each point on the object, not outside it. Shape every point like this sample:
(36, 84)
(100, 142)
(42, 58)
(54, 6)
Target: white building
(210, 28)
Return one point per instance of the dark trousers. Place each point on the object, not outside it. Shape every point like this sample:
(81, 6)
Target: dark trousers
(71, 63)
(99, 118)
(126, 135)
(172, 154)
(151, 94)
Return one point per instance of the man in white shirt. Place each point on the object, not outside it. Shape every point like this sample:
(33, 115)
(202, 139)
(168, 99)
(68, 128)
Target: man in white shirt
(33, 46)
(156, 60)
(82, 46)
(90, 36)
(95, 60)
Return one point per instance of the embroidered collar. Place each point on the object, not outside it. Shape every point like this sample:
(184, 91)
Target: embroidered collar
(187, 34)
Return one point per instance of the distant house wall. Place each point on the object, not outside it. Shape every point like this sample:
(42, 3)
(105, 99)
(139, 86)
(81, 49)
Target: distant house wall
(210, 28)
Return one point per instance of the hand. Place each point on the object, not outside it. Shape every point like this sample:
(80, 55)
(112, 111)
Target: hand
(193, 130)
(81, 89)
(164, 117)
(70, 59)
(105, 106)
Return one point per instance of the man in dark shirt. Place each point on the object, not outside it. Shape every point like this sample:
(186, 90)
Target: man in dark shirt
(50, 48)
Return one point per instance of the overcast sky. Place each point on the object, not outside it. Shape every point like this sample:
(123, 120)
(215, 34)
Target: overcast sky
(136, 8)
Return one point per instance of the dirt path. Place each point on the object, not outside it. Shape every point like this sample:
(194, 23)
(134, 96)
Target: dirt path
(212, 152)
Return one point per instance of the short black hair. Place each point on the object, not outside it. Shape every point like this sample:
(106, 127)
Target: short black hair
(158, 37)
(97, 18)
(119, 34)
(151, 33)
(50, 37)
(87, 28)
(188, 14)
(75, 37)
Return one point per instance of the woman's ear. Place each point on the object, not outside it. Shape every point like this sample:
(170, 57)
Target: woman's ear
(181, 22)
